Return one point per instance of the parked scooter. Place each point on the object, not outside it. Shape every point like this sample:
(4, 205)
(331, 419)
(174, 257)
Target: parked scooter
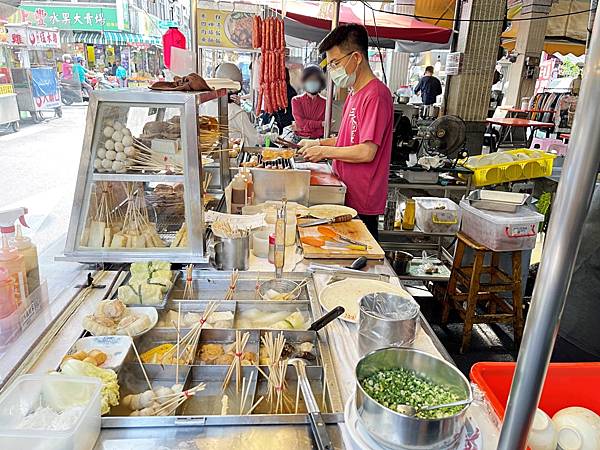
(70, 92)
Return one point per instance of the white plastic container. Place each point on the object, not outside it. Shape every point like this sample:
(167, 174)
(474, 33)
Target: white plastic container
(501, 231)
(431, 218)
(58, 392)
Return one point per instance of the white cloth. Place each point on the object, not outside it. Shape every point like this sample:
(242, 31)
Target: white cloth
(240, 125)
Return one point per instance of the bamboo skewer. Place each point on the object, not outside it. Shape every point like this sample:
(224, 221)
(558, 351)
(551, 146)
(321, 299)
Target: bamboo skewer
(245, 393)
(300, 285)
(232, 284)
(188, 291)
(137, 355)
(178, 339)
(255, 405)
(236, 364)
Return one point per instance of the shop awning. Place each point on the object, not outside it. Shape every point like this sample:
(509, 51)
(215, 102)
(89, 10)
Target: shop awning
(114, 37)
(385, 26)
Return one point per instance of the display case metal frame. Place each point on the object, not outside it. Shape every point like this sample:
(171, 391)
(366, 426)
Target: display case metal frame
(188, 103)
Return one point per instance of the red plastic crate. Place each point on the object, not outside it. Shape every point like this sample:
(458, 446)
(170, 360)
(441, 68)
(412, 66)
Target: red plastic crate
(567, 384)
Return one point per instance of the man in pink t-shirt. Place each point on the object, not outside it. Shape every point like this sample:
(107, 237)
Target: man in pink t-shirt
(363, 148)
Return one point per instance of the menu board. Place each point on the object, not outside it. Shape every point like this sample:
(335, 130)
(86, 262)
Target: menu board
(224, 29)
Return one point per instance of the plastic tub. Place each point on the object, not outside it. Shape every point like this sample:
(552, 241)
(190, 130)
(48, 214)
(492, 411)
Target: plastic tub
(431, 219)
(567, 384)
(58, 392)
(501, 231)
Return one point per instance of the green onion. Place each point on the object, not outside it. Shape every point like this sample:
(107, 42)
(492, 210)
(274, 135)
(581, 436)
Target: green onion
(394, 387)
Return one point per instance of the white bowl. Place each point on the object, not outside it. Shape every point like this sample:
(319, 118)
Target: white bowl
(578, 428)
(115, 347)
(543, 434)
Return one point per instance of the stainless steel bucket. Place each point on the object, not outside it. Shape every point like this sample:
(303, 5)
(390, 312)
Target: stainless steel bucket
(386, 320)
(395, 430)
(230, 254)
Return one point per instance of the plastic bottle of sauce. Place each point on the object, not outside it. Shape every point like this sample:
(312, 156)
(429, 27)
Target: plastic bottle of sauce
(14, 263)
(249, 186)
(8, 304)
(238, 194)
(408, 218)
(28, 250)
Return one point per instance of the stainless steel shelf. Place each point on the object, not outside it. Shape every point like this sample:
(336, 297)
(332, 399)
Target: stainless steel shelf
(438, 187)
(411, 233)
(150, 178)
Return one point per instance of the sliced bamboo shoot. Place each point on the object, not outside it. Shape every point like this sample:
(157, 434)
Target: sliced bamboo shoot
(96, 234)
(107, 237)
(118, 241)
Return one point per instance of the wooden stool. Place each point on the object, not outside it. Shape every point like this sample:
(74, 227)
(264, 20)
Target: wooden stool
(466, 290)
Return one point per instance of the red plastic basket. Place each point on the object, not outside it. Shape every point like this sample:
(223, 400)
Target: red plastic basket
(567, 384)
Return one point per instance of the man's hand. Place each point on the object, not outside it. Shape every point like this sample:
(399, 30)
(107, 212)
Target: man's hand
(315, 153)
(308, 143)
(235, 99)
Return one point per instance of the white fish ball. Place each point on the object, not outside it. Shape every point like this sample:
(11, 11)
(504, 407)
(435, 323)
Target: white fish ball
(111, 154)
(97, 163)
(109, 122)
(108, 131)
(107, 163)
(117, 136)
(101, 153)
(117, 126)
(121, 156)
(126, 132)
(109, 145)
(117, 165)
(119, 147)
(129, 151)
(127, 141)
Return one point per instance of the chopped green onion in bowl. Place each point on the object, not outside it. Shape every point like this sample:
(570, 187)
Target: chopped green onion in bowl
(394, 387)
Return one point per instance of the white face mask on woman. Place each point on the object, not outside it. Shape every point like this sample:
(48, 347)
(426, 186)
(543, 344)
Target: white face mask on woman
(341, 78)
(312, 86)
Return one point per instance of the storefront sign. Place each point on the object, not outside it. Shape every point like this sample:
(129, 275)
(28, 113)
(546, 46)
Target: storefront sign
(454, 63)
(80, 18)
(45, 90)
(224, 29)
(33, 37)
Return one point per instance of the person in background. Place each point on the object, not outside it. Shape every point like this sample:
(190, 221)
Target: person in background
(121, 75)
(283, 117)
(429, 87)
(308, 108)
(113, 69)
(80, 73)
(240, 126)
(67, 68)
(361, 152)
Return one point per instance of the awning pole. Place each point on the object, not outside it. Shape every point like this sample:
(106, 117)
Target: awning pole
(194, 34)
(335, 20)
(558, 259)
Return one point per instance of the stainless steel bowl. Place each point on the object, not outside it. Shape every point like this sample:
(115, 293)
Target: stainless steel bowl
(280, 285)
(396, 430)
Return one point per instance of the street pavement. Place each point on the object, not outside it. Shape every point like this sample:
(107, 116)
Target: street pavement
(38, 169)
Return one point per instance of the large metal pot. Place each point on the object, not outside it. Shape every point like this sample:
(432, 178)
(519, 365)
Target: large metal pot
(396, 430)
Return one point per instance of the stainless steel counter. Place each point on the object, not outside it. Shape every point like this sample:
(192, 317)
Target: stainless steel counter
(295, 433)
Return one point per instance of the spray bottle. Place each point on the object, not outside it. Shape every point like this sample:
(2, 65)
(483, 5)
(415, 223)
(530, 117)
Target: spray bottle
(28, 250)
(14, 263)
(8, 218)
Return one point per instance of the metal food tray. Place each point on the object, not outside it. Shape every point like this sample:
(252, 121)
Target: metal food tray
(497, 200)
(175, 276)
(204, 409)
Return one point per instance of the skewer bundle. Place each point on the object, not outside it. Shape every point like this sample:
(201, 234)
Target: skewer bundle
(278, 397)
(192, 337)
(300, 285)
(188, 291)
(236, 364)
(147, 160)
(105, 218)
(232, 284)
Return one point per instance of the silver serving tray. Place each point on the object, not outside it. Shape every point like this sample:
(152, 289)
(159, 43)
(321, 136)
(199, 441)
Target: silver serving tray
(497, 200)
(175, 276)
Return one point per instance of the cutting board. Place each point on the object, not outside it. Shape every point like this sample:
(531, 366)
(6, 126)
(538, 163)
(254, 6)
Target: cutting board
(355, 229)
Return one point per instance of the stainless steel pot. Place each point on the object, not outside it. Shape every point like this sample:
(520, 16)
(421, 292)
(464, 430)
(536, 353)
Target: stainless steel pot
(230, 254)
(396, 430)
(386, 320)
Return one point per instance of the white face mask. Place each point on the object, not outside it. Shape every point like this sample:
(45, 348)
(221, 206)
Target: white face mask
(341, 78)
(312, 86)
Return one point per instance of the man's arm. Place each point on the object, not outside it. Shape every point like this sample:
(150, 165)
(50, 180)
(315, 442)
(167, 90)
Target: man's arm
(419, 86)
(328, 142)
(359, 153)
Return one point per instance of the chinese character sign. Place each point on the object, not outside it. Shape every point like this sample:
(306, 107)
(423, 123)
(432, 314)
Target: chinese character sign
(33, 37)
(224, 29)
(78, 18)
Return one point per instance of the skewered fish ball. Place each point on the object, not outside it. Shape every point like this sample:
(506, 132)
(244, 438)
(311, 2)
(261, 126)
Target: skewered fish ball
(127, 141)
(109, 145)
(97, 163)
(121, 156)
(119, 147)
(111, 154)
(117, 136)
(126, 132)
(108, 131)
(101, 153)
(129, 151)
(107, 163)
(117, 166)
(117, 126)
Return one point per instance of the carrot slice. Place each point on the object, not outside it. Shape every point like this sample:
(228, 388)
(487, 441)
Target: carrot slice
(326, 231)
(313, 241)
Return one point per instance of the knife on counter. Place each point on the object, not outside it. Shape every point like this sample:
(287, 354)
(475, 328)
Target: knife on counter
(337, 219)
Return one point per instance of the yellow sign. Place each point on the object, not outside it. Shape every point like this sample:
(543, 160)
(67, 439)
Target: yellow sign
(224, 29)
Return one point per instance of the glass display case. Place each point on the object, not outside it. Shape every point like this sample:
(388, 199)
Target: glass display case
(141, 189)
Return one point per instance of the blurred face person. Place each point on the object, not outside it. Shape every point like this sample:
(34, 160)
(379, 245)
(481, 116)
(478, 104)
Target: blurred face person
(313, 84)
